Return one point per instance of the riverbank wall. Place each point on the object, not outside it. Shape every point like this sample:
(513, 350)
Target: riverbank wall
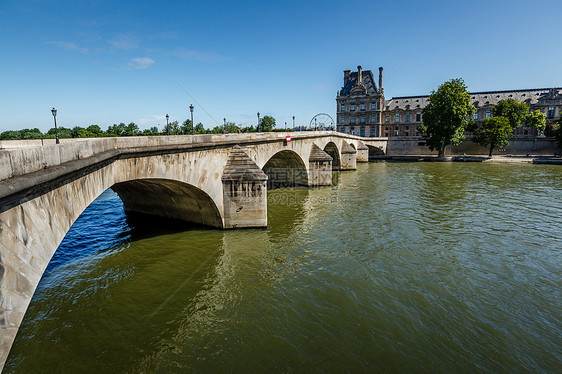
(517, 146)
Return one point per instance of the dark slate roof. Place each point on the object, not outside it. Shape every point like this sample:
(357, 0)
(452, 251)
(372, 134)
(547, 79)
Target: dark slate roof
(478, 99)
(368, 81)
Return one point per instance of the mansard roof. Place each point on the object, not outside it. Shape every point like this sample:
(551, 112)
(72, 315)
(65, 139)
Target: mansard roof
(367, 79)
(480, 99)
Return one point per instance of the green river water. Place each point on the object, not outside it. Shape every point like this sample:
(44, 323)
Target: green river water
(397, 267)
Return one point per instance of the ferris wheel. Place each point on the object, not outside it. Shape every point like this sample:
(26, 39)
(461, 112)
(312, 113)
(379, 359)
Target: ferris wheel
(322, 121)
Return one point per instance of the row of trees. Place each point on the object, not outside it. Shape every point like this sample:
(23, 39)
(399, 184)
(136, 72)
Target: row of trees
(267, 124)
(449, 114)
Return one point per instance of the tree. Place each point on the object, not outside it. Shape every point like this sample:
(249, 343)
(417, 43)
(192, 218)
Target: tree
(267, 123)
(447, 115)
(186, 127)
(514, 111)
(495, 132)
(200, 129)
(117, 130)
(131, 129)
(95, 130)
(536, 119)
(557, 127)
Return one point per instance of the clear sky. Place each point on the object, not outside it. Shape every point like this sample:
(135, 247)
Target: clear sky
(104, 62)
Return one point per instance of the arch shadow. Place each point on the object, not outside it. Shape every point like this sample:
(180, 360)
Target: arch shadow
(169, 198)
(334, 152)
(285, 169)
(375, 151)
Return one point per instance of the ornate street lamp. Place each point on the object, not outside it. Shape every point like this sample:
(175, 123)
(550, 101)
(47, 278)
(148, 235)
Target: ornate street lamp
(258, 121)
(167, 125)
(54, 111)
(192, 124)
(293, 123)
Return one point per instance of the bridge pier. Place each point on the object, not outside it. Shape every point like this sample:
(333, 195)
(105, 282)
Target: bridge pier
(319, 168)
(348, 157)
(362, 152)
(244, 192)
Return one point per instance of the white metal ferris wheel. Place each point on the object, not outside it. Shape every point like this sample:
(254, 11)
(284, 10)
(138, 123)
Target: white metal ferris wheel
(322, 121)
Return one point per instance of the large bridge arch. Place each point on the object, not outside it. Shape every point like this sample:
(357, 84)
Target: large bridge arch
(286, 169)
(333, 150)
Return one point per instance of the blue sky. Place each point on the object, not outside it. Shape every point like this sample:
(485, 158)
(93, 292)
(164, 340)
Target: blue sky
(102, 62)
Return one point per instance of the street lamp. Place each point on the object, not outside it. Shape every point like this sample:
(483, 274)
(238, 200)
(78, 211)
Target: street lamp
(192, 124)
(285, 125)
(293, 123)
(315, 127)
(258, 121)
(224, 125)
(167, 125)
(54, 111)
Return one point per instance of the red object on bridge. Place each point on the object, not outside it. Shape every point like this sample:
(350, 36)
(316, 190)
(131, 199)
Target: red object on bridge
(288, 138)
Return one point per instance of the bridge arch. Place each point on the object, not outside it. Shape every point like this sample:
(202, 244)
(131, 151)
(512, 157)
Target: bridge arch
(169, 198)
(332, 149)
(285, 169)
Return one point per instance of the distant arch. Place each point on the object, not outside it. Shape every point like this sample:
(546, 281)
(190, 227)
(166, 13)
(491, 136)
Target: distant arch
(285, 169)
(375, 151)
(334, 152)
(169, 198)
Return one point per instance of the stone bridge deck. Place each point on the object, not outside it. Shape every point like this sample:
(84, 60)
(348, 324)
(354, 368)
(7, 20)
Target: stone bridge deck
(216, 180)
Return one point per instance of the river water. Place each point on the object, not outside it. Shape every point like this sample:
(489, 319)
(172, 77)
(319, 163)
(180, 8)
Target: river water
(398, 267)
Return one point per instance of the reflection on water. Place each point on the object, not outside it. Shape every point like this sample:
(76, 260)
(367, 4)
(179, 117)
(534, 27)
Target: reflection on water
(421, 267)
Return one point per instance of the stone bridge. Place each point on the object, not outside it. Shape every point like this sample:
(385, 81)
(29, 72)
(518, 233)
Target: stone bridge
(216, 180)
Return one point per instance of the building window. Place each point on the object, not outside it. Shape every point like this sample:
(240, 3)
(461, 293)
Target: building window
(342, 119)
(362, 118)
(396, 132)
(362, 131)
(550, 112)
(342, 129)
(343, 107)
(407, 127)
(475, 116)
(374, 105)
(372, 130)
(362, 106)
(352, 107)
(418, 117)
(397, 117)
(488, 114)
(407, 117)
(386, 128)
(352, 119)
(386, 117)
(386, 134)
(373, 117)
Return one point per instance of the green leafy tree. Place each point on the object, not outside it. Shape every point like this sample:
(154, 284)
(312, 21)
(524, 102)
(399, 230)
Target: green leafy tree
(10, 135)
(200, 129)
(63, 133)
(495, 132)
(536, 119)
(267, 123)
(116, 129)
(446, 117)
(231, 128)
(186, 127)
(557, 127)
(80, 132)
(514, 111)
(154, 130)
(131, 129)
(95, 130)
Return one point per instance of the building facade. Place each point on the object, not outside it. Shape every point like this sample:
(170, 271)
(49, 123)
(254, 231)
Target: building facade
(358, 114)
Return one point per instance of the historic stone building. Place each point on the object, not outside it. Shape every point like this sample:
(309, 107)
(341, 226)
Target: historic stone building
(362, 109)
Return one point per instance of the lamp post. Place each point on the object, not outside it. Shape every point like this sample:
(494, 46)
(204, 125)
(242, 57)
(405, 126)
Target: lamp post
(258, 121)
(224, 125)
(315, 127)
(192, 124)
(54, 111)
(285, 125)
(293, 123)
(167, 125)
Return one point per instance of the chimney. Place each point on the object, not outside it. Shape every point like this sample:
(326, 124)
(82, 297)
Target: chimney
(380, 78)
(359, 74)
(346, 74)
